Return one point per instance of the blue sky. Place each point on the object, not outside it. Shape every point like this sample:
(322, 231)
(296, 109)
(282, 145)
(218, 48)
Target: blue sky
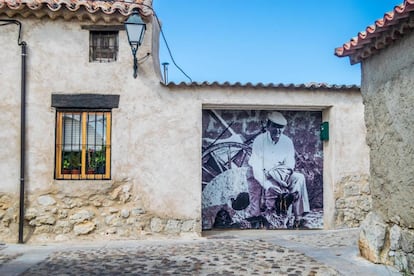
(269, 41)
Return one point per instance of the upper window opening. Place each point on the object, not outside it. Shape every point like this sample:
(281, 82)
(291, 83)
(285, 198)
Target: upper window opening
(103, 46)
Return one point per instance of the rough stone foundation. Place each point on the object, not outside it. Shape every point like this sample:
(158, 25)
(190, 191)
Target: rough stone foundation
(110, 213)
(388, 243)
(352, 200)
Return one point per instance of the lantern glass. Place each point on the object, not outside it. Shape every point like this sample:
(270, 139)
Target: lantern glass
(135, 29)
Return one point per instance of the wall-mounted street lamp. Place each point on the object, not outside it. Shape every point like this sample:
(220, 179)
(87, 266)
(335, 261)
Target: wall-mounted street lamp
(135, 29)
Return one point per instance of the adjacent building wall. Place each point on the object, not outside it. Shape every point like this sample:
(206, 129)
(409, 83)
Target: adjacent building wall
(387, 235)
(156, 141)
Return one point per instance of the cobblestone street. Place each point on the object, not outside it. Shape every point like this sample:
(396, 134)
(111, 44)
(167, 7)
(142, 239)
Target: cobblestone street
(194, 258)
(217, 253)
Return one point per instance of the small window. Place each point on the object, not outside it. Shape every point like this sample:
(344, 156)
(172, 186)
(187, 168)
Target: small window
(83, 145)
(103, 46)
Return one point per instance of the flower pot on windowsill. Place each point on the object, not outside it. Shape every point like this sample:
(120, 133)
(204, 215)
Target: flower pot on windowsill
(75, 171)
(90, 171)
(100, 170)
(66, 171)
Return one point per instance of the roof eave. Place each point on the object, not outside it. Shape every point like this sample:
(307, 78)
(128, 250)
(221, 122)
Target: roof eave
(304, 86)
(82, 10)
(383, 33)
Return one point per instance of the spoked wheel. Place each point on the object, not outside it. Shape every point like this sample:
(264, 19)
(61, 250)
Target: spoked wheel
(222, 157)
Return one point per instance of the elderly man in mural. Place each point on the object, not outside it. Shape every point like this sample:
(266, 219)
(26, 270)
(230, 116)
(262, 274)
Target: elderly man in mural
(271, 172)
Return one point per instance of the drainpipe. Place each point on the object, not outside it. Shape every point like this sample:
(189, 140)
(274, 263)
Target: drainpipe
(22, 140)
(23, 44)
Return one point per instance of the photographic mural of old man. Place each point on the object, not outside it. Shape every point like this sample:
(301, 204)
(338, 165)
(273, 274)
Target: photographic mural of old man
(262, 169)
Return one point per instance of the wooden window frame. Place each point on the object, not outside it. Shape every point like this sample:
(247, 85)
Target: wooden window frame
(83, 174)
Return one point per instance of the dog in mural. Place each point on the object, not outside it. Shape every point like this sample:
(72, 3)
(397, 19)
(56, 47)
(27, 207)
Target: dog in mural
(241, 202)
(222, 219)
(280, 214)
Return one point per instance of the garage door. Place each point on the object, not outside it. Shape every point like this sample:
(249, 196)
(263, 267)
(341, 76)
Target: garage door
(262, 169)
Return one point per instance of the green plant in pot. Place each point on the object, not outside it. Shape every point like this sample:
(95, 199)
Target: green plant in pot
(98, 161)
(91, 163)
(75, 163)
(66, 166)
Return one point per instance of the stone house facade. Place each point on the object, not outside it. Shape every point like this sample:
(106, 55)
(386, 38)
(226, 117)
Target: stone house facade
(146, 136)
(384, 50)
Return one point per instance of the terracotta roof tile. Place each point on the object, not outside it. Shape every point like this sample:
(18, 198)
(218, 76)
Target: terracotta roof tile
(81, 9)
(379, 35)
(290, 86)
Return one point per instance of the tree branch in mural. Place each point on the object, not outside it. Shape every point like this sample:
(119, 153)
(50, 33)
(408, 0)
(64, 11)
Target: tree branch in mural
(247, 184)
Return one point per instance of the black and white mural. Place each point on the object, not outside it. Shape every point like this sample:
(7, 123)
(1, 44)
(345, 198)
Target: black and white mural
(262, 169)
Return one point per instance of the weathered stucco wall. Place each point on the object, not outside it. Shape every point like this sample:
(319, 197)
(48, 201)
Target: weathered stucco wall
(156, 141)
(387, 89)
(143, 161)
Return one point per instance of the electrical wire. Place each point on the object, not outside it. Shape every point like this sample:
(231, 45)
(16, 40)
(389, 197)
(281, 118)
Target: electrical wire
(12, 21)
(165, 41)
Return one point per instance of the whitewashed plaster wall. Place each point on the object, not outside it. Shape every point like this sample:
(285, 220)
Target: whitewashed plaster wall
(10, 107)
(144, 130)
(156, 131)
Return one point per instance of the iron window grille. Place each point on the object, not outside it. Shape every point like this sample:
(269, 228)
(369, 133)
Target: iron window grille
(83, 145)
(103, 46)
